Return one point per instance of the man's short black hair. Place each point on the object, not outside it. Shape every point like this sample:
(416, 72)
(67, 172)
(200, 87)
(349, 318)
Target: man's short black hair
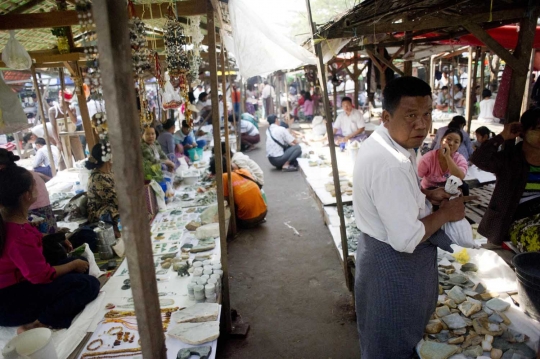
(530, 119)
(41, 141)
(185, 124)
(230, 118)
(345, 99)
(212, 165)
(27, 137)
(486, 93)
(444, 88)
(271, 119)
(459, 86)
(202, 95)
(457, 122)
(406, 86)
(168, 124)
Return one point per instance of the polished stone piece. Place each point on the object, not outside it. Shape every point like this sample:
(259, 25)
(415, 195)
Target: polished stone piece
(195, 333)
(202, 352)
(456, 340)
(473, 351)
(456, 294)
(469, 267)
(498, 305)
(200, 312)
(442, 311)
(496, 353)
(454, 321)
(470, 307)
(433, 350)
(434, 327)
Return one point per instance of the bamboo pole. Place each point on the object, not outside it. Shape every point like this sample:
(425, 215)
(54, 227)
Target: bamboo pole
(227, 146)
(472, 91)
(482, 71)
(287, 97)
(527, 95)
(235, 123)
(331, 145)
(212, 55)
(42, 115)
(66, 152)
(117, 74)
(469, 92)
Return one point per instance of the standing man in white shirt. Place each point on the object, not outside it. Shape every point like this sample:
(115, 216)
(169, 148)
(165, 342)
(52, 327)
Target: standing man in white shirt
(349, 124)
(396, 281)
(282, 149)
(42, 162)
(267, 96)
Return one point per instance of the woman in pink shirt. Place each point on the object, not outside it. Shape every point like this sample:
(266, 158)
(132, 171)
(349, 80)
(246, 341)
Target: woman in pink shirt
(308, 106)
(437, 165)
(33, 293)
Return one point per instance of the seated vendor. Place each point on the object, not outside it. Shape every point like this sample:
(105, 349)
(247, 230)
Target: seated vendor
(33, 293)
(151, 151)
(102, 199)
(186, 138)
(42, 162)
(248, 200)
(42, 206)
(249, 134)
(437, 165)
(349, 124)
(514, 210)
(443, 98)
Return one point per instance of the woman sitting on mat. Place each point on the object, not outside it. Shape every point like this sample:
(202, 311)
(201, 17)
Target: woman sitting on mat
(248, 200)
(152, 152)
(437, 165)
(33, 293)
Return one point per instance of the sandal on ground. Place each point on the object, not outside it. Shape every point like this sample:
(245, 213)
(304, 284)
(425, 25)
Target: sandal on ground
(290, 169)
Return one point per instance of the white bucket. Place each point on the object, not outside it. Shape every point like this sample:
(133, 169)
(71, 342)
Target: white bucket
(35, 344)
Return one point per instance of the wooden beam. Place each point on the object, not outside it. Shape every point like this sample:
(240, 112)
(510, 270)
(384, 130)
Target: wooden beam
(385, 61)
(91, 136)
(425, 23)
(493, 45)
(42, 115)
(124, 135)
(160, 10)
(14, 21)
(469, 90)
(331, 144)
(226, 300)
(38, 20)
(227, 144)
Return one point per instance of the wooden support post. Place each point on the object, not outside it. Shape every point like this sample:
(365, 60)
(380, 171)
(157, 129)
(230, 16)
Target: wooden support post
(278, 95)
(407, 65)
(334, 94)
(432, 71)
(331, 145)
(470, 91)
(42, 115)
(482, 71)
(522, 53)
(212, 55)
(287, 96)
(124, 133)
(76, 73)
(66, 150)
(527, 95)
(236, 123)
(227, 145)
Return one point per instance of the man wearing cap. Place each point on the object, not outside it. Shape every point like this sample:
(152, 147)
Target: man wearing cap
(56, 117)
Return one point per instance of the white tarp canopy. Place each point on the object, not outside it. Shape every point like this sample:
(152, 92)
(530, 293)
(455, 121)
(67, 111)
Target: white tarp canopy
(258, 49)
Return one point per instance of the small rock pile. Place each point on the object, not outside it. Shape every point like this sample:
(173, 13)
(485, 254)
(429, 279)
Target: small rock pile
(470, 322)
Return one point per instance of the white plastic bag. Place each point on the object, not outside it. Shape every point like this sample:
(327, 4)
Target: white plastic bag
(93, 268)
(15, 55)
(12, 117)
(459, 232)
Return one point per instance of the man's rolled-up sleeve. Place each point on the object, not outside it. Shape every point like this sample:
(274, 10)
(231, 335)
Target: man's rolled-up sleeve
(398, 207)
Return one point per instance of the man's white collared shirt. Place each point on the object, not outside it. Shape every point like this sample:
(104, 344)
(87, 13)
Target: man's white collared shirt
(387, 200)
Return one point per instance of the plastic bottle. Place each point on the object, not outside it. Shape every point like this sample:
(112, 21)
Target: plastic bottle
(78, 188)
